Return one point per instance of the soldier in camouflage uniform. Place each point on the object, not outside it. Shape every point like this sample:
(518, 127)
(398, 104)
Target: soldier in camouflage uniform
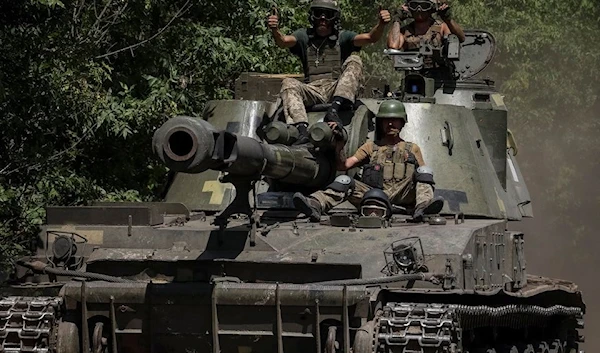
(332, 70)
(394, 165)
(424, 25)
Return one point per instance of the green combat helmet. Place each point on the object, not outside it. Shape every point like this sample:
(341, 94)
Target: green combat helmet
(389, 109)
(392, 109)
(325, 4)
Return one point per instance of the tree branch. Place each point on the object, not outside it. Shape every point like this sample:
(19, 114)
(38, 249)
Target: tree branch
(5, 168)
(180, 12)
(106, 28)
(30, 167)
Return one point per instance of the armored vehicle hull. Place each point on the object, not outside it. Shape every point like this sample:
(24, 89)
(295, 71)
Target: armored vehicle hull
(226, 264)
(301, 287)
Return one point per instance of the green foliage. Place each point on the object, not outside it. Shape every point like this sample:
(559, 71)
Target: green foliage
(83, 84)
(544, 50)
(547, 62)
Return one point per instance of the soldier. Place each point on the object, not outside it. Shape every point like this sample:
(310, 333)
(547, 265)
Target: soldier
(424, 25)
(394, 165)
(332, 70)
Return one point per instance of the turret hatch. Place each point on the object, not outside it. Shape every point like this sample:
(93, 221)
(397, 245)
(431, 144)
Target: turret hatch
(476, 52)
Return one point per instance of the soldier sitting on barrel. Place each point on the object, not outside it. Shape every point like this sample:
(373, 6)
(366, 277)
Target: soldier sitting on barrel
(394, 166)
(332, 70)
(424, 25)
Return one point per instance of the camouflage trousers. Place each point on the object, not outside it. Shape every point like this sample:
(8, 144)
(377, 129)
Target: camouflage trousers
(296, 95)
(407, 195)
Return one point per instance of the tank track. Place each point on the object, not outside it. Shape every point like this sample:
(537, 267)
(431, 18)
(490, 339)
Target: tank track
(411, 328)
(438, 328)
(28, 324)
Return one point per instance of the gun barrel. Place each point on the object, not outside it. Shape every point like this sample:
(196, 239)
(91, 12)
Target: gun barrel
(192, 145)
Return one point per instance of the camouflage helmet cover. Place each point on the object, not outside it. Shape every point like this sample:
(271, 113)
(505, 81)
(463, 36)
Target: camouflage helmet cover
(392, 109)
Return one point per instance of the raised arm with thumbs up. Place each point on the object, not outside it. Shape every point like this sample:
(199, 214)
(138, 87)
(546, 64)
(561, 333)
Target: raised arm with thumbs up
(377, 32)
(282, 41)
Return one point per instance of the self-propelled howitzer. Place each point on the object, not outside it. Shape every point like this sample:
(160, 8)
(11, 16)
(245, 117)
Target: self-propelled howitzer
(174, 276)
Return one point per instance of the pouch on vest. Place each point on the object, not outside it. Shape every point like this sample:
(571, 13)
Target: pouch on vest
(373, 175)
(387, 161)
(399, 166)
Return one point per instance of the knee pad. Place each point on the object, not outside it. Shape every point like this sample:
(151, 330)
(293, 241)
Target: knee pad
(425, 175)
(342, 183)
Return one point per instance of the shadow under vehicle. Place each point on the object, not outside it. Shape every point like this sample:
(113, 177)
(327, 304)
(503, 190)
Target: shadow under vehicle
(225, 264)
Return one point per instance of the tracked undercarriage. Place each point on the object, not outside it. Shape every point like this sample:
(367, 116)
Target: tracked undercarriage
(38, 325)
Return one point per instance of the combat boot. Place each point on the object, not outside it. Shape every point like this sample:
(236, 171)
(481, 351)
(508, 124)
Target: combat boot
(307, 205)
(302, 133)
(433, 206)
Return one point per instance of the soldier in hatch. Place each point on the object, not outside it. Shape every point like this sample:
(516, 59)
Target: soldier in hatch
(424, 25)
(393, 165)
(332, 70)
